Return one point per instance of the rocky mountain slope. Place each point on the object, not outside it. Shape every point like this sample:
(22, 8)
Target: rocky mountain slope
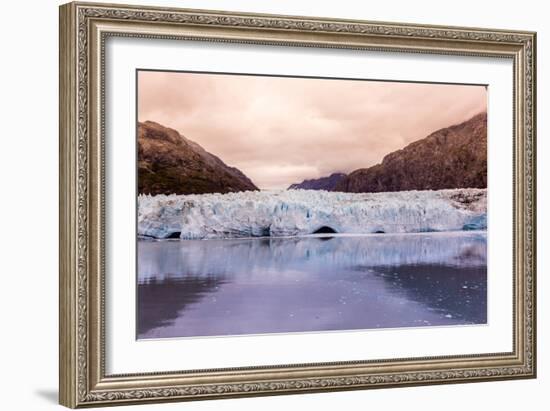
(169, 163)
(453, 157)
(323, 183)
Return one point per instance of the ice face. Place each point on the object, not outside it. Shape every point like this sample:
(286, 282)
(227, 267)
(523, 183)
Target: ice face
(302, 212)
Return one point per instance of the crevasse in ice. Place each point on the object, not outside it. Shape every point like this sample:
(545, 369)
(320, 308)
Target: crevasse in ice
(302, 212)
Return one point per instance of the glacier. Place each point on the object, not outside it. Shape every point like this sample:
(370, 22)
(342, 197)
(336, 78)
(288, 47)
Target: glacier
(303, 212)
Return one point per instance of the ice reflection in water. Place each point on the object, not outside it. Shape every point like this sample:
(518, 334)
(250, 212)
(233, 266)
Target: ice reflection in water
(254, 286)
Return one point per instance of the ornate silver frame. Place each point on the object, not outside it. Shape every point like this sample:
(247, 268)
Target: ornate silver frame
(83, 30)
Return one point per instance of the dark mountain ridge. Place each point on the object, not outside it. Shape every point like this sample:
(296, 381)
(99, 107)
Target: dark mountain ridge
(452, 157)
(169, 163)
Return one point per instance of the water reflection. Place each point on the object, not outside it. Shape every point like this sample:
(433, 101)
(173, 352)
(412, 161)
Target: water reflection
(251, 286)
(160, 301)
(453, 291)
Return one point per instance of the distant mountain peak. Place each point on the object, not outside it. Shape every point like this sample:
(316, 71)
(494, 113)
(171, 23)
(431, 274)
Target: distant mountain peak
(323, 183)
(170, 163)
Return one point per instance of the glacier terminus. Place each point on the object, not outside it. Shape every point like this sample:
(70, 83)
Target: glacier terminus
(304, 212)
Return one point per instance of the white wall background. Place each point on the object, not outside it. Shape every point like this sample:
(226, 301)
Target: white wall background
(28, 214)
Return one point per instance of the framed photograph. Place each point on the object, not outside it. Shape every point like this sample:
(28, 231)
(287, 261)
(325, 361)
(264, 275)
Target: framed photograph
(260, 204)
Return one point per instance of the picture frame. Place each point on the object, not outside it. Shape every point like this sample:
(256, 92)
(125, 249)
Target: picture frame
(85, 28)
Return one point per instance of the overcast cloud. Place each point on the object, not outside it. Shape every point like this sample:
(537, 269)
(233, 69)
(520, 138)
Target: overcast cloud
(280, 131)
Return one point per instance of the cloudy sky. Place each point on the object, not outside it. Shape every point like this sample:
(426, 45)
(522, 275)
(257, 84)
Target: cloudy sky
(280, 131)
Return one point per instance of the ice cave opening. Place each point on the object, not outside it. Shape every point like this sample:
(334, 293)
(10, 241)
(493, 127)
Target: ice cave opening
(175, 234)
(325, 230)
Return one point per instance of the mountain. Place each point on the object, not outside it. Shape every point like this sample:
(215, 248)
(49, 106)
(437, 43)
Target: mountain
(169, 163)
(453, 157)
(323, 183)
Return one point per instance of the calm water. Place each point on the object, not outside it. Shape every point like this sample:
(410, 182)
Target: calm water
(278, 285)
